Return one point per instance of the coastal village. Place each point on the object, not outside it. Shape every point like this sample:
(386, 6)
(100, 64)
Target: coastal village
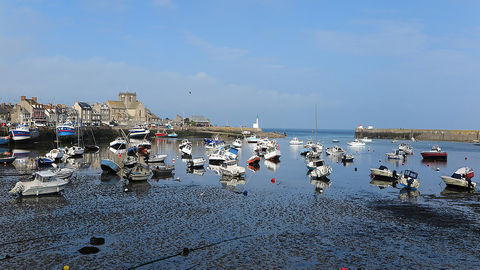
(126, 111)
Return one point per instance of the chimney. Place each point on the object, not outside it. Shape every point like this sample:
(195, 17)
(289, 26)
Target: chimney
(34, 99)
(22, 98)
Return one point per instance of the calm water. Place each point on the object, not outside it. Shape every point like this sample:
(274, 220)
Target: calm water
(290, 222)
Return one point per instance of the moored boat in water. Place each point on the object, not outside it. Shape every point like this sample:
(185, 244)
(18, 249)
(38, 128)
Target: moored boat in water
(435, 153)
(462, 177)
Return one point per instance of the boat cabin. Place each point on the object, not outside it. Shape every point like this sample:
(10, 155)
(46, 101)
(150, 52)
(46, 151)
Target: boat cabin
(410, 174)
(45, 176)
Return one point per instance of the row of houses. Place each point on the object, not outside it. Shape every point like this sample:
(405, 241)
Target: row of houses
(127, 110)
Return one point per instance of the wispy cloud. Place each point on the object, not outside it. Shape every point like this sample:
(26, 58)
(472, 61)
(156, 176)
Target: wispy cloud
(378, 38)
(214, 51)
(164, 4)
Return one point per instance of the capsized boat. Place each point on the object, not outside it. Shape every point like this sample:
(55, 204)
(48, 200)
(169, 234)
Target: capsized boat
(409, 179)
(156, 158)
(462, 177)
(109, 166)
(295, 141)
(45, 182)
(435, 153)
(383, 173)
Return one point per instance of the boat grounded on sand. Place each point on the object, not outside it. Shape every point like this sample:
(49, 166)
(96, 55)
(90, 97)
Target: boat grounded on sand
(109, 166)
(435, 153)
(384, 173)
(45, 182)
(462, 177)
(409, 180)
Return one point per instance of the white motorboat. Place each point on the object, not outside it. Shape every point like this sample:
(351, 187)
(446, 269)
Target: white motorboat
(347, 158)
(184, 143)
(63, 173)
(237, 143)
(196, 162)
(314, 153)
(314, 163)
(365, 140)
(409, 180)
(231, 168)
(335, 141)
(138, 132)
(217, 157)
(45, 182)
(407, 149)
(74, 151)
(321, 171)
(335, 150)
(309, 144)
(383, 172)
(272, 153)
(55, 154)
(356, 142)
(462, 177)
(118, 143)
(130, 161)
(139, 172)
(295, 141)
(186, 149)
(156, 158)
(396, 154)
(252, 139)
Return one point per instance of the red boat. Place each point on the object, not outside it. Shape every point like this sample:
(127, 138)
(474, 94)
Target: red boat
(435, 153)
(160, 134)
(253, 160)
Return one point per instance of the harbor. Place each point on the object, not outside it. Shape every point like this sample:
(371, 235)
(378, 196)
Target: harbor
(275, 215)
(419, 134)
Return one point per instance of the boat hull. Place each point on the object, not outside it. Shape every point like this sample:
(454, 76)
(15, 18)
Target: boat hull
(429, 155)
(109, 166)
(43, 190)
(450, 181)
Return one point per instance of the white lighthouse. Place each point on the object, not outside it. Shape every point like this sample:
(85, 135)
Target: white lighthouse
(255, 125)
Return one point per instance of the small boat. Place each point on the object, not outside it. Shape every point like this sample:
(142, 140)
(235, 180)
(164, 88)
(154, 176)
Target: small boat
(231, 168)
(314, 163)
(320, 171)
(409, 180)
(63, 173)
(253, 160)
(20, 133)
(65, 130)
(347, 158)
(165, 170)
(45, 182)
(272, 153)
(335, 150)
(161, 134)
(184, 143)
(139, 172)
(407, 149)
(384, 173)
(138, 132)
(74, 151)
(172, 135)
(109, 166)
(356, 143)
(237, 143)
(187, 149)
(435, 153)
(396, 154)
(366, 139)
(335, 141)
(92, 148)
(295, 141)
(314, 153)
(217, 157)
(130, 161)
(156, 158)
(4, 139)
(118, 143)
(44, 161)
(7, 160)
(462, 177)
(55, 154)
(196, 162)
(252, 139)
(309, 144)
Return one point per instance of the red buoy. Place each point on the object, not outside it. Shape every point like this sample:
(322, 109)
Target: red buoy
(273, 180)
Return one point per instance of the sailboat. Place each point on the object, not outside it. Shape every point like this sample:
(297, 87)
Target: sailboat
(75, 151)
(92, 147)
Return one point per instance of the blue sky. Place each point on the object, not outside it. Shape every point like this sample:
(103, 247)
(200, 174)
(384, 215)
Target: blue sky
(408, 64)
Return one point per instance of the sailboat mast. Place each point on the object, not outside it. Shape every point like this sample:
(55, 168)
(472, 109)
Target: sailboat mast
(316, 140)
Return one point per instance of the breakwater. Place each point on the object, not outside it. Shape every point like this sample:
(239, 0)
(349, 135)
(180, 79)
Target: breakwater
(420, 134)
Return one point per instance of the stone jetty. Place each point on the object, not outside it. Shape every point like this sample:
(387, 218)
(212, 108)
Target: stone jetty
(420, 134)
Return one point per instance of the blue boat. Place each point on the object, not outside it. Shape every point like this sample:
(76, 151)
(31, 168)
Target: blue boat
(172, 135)
(109, 166)
(4, 140)
(44, 161)
(65, 130)
(7, 160)
(20, 133)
